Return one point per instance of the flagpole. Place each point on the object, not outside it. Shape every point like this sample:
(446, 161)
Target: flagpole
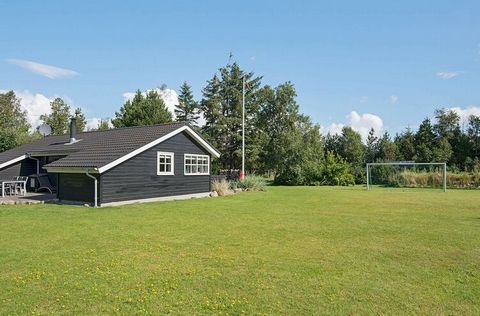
(242, 174)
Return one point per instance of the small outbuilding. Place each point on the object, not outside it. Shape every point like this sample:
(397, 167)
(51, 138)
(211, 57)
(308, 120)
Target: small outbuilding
(116, 166)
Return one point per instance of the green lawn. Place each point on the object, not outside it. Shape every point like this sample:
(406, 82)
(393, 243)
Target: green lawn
(291, 250)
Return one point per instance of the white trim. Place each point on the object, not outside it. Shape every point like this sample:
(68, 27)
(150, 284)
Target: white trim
(11, 162)
(172, 167)
(185, 128)
(196, 173)
(159, 199)
(407, 163)
(199, 139)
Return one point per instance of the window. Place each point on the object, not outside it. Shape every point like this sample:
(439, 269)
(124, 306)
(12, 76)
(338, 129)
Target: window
(165, 164)
(197, 164)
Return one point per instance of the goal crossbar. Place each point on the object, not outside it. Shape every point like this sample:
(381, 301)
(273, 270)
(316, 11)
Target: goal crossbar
(409, 163)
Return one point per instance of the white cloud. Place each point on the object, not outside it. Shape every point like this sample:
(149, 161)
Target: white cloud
(393, 99)
(466, 112)
(93, 123)
(34, 104)
(169, 96)
(333, 129)
(364, 122)
(448, 74)
(48, 71)
(361, 123)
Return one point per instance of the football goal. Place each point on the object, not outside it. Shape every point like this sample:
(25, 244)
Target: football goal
(407, 174)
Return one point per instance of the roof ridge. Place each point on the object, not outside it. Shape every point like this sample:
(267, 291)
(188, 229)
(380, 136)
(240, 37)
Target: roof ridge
(122, 128)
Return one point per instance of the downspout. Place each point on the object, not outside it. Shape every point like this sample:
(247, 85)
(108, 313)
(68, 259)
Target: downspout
(95, 203)
(38, 163)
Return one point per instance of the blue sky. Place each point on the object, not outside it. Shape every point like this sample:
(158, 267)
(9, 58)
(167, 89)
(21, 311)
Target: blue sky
(363, 63)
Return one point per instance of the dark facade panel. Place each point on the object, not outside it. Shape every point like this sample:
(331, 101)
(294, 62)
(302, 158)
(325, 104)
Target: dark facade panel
(137, 178)
(25, 167)
(76, 187)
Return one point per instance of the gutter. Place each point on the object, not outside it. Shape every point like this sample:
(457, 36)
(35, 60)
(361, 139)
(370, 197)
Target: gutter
(38, 163)
(95, 203)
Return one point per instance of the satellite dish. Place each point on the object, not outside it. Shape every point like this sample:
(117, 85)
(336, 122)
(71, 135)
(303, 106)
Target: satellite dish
(44, 129)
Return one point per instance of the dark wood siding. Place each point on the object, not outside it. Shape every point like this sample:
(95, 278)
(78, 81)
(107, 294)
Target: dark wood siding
(46, 160)
(137, 178)
(23, 168)
(76, 187)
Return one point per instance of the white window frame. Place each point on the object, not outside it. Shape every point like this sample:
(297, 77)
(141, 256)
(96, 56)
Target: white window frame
(196, 173)
(165, 173)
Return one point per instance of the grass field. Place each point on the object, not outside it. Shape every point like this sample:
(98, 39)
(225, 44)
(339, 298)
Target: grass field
(291, 250)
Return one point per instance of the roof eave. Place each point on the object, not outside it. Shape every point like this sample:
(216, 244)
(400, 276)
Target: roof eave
(12, 161)
(52, 169)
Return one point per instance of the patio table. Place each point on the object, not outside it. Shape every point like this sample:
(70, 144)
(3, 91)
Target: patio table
(4, 182)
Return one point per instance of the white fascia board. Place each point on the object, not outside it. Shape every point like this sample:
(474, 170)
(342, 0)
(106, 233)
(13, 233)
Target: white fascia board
(137, 151)
(11, 162)
(205, 145)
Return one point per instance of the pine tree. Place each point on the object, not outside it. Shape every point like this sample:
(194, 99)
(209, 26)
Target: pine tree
(142, 110)
(222, 108)
(371, 152)
(187, 110)
(406, 145)
(387, 149)
(80, 121)
(424, 142)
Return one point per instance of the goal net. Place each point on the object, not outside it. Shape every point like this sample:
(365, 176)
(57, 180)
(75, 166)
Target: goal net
(407, 174)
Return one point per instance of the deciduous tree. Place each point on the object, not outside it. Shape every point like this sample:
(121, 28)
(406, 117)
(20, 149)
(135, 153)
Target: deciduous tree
(14, 127)
(59, 117)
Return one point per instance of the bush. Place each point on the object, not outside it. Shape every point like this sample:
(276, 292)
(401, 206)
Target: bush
(252, 183)
(336, 171)
(333, 170)
(222, 187)
(460, 180)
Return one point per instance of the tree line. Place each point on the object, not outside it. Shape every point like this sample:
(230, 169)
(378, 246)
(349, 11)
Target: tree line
(280, 141)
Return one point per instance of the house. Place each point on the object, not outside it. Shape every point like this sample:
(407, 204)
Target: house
(118, 166)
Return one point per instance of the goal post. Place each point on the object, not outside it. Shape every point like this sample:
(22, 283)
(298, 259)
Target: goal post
(443, 165)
